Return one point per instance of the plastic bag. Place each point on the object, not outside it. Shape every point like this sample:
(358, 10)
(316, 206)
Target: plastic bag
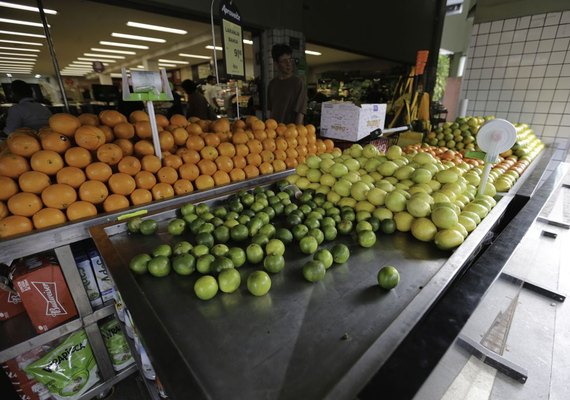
(117, 345)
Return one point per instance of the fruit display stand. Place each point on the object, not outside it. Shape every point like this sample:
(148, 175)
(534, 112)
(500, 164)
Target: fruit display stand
(324, 340)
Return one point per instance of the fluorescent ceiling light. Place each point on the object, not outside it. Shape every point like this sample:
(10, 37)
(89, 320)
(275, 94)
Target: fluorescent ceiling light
(37, 76)
(136, 37)
(17, 68)
(94, 59)
(103, 55)
(9, 75)
(25, 8)
(210, 47)
(20, 42)
(194, 56)
(81, 62)
(20, 22)
(17, 59)
(18, 54)
(156, 28)
(140, 66)
(313, 53)
(21, 34)
(113, 51)
(167, 65)
(18, 49)
(116, 75)
(247, 41)
(173, 61)
(128, 45)
(4, 61)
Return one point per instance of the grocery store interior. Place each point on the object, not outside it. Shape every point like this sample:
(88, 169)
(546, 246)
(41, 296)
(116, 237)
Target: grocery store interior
(164, 235)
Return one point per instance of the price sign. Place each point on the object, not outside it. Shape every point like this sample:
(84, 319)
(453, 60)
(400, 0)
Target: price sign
(233, 40)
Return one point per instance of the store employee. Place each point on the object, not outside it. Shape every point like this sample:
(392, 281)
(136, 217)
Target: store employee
(27, 113)
(287, 95)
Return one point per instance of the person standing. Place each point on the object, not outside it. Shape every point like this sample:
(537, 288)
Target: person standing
(197, 104)
(286, 94)
(27, 113)
(211, 92)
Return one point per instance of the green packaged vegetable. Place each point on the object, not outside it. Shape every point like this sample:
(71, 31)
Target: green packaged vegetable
(117, 345)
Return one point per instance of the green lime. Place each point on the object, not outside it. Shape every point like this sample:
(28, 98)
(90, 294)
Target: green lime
(188, 209)
(222, 234)
(260, 239)
(324, 256)
(182, 247)
(232, 215)
(202, 208)
(139, 263)
(200, 250)
(314, 270)
(216, 221)
(189, 218)
(267, 230)
(258, 283)
(230, 223)
(237, 255)
(330, 233)
(308, 245)
(249, 213)
(317, 234)
(388, 226)
(196, 225)
(264, 217)
(300, 231)
(344, 226)
(327, 221)
(363, 226)
(293, 220)
(204, 263)
(254, 253)
(207, 216)
(206, 287)
(366, 238)
(148, 227)
(305, 209)
(388, 277)
(159, 266)
(375, 223)
(220, 212)
(278, 208)
(134, 224)
(162, 250)
(257, 206)
(244, 219)
(219, 250)
(270, 212)
(289, 208)
(340, 253)
(274, 263)
(184, 264)
(275, 247)
(239, 233)
(248, 199)
(254, 226)
(220, 263)
(176, 226)
(207, 227)
(284, 235)
(312, 223)
(206, 239)
(229, 280)
(362, 216)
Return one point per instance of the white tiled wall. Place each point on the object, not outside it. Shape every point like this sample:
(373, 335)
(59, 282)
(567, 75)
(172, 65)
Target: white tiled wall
(519, 69)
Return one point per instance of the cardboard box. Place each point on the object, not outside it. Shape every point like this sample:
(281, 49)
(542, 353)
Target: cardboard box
(44, 292)
(346, 121)
(33, 391)
(10, 305)
(88, 278)
(104, 281)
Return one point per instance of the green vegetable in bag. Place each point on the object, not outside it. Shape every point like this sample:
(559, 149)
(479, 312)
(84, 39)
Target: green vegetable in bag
(117, 345)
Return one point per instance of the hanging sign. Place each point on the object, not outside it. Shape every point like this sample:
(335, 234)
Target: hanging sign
(232, 39)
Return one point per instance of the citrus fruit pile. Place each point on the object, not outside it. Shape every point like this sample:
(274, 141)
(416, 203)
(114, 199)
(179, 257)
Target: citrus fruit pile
(81, 166)
(434, 200)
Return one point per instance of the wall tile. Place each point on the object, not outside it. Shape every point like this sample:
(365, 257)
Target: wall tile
(554, 119)
(487, 73)
(521, 84)
(491, 50)
(567, 59)
(501, 61)
(477, 62)
(492, 106)
(509, 24)
(552, 18)
(553, 71)
(482, 40)
(565, 70)
(505, 95)
(511, 72)
(534, 34)
(545, 45)
(529, 107)
(514, 60)
(535, 83)
(532, 95)
(486, 27)
(520, 35)
(494, 94)
(507, 37)
(475, 73)
(517, 48)
(494, 38)
(528, 59)
(526, 116)
(557, 57)
(550, 83)
(561, 95)
(539, 119)
(563, 132)
(509, 84)
(549, 32)
(563, 31)
(523, 22)
(561, 44)
(550, 131)
(538, 71)
(565, 17)
(537, 20)
(524, 72)
(488, 62)
(503, 106)
(557, 107)
(497, 26)
(546, 95)
(563, 83)
(516, 106)
(514, 116)
(480, 51)
(565, 120)
(485, 84)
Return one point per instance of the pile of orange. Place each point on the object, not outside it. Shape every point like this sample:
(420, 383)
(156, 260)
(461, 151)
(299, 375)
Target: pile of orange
(81, 166)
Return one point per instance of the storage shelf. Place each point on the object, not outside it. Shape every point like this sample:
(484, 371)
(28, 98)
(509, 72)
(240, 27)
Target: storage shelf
(103, 386)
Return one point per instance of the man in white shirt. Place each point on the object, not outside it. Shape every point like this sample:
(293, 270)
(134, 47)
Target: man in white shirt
(27, 113)
(211, 92)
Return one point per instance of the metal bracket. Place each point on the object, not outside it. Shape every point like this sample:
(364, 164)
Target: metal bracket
(493, 359)
(554, 223)
(551, 294)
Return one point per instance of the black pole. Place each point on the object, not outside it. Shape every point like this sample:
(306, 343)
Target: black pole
(53, 56)
(431, 67)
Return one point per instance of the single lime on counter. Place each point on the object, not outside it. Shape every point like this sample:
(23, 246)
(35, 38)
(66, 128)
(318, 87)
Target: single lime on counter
(388, 277)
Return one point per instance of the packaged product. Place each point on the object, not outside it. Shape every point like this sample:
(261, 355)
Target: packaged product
(116, 344)
(69, 370)
(10, 305)
(87, 277)
(104, 281)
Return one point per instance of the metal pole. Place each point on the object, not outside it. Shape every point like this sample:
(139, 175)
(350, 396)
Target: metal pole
(52, 52)
(214, 41)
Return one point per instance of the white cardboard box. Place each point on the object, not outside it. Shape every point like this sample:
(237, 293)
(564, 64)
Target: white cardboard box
(346, 121)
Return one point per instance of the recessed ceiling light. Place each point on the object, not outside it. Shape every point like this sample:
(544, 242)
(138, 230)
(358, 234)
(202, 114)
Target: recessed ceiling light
(156, 28)
(313, 53)
(112, 51)
(9, 75)
(94, 59)
(167, 65)
(22, 34)
(26, 8)
(18, 54)
(136, 37)
(37, 76)
(20, 42)
(173, 61)
(18, 49)
(128, 45)
(210, 47)
(247, 41)
(20, 22)
(194, 56)
(16, 68)
(17, 59)
(104, 56)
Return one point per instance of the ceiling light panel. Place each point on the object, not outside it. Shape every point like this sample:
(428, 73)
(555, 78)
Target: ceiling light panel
(156, 28)
(6, 61)
(104, 56)
(17, 59)
(18, 49)
(21, 34)
(113, 51)
(194, 56)
(313, 53)
(25, 8)
(161, 60)
(127, 45)
(218, 48)
(18, 54)
(20, 22)
(168, 65)
(20, 42)
(94, 59)
(136, 37)
(247, 41)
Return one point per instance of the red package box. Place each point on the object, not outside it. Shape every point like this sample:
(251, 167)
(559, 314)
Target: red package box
(33, 391)
(44, 292)
(10, 305)
(15, 373)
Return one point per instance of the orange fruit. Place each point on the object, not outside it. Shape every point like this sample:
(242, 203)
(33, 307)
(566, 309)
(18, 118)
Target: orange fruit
(78, 157)
(124, 130)
(182, 186)
(180, 136)
(291, 133)
(138, 115)
(162, 190)
(98, 171)
(111, 117)
(126, 146)
(204, 182)
(329, 145)
(242, 150)
(237, 175)
(280, 129)
(195, 142)
(251, 171)
(280, 155)
(3, 210)
(292, 143)
(161, 120)
(93, 191)
(267, 155)
(321, 147)
(311, 129)
(166, 140)
(226, 149)
(239, 161)
(88, 119)
(281, 144)
(189, 171)
(172, 160)
(271, 134)
(193, 129)
(191, 156)
(9, 188)
(254, 146)
(257, 125)
(266, 168)
(46, 161)
(108, 132)
(268, 144)
(23, 144)
(207, 167)
(145, 180)
(144, 148)
(59, 196)
(56, 142)
(24, 204)
(212, 139)
(238, 124)
(301, 130)
(291, 162)
(141, 196)
(89, 137)
(14, 225)
(254, 159)
(121, 183)
(115, 202)
(279, 165)
(271, 123)
(260, 135)
(151, 163)
(302, 141)
(224, 163)
(301, 159)
(80, 209)
(64, 123)
(302, 151)
(311, 149)
(129, 165)
(179, 120)
(205, 125)
(240, 138)
(143, 129)
(292, 153)
(221, 125)
(209, 153)
(221, 178)
(47, 217)
(109, 153)
(312, 138)
(167, 175)
(13, 165)
(71, 176)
